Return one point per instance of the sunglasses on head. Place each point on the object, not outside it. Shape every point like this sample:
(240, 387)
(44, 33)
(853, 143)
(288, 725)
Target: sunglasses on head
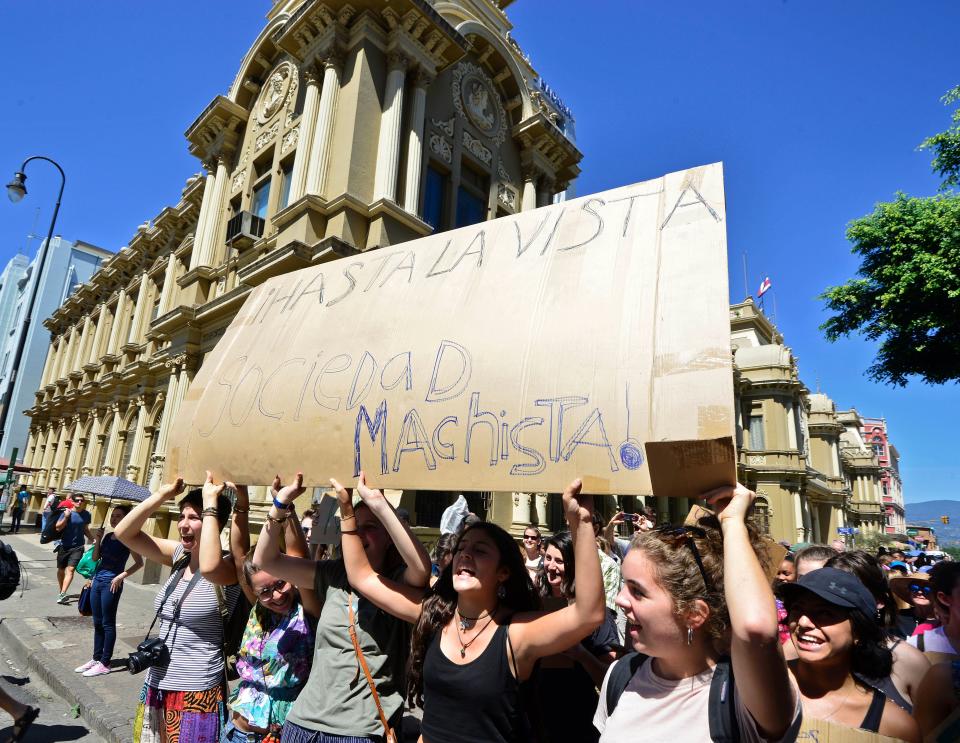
(687, 533)
(917, 588)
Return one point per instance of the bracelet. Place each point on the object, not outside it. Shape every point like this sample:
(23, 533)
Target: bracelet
(241, 510)
(347, 518)
(281, 506)
(352, 531)
(209, 512)
(277, 520)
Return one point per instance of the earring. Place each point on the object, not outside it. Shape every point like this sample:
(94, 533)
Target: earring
(501, 591)
(689, 635)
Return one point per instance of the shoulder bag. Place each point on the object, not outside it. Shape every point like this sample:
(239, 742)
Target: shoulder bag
(389, 735)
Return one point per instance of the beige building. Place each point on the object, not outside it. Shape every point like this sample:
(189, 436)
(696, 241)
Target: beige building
(349, 127)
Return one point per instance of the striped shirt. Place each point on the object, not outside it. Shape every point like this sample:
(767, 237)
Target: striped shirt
(194, 641)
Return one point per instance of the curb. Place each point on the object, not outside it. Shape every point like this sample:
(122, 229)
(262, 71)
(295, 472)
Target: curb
(111, 727)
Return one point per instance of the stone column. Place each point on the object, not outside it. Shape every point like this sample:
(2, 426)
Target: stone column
(418, 110)
(544, 191)
(70, 362)
(61, 457)
(57, 359)
(203, 217)
(90, 458)
(98, 333)
(308, 124)
(113, 344)
(84, 348)
(156, 466)
(663, 509)
(43, 476)
(391, 119)
(73, 461)
(529, 199)
(139, 310)
(323, 131)
(169, 284)
(48, 365)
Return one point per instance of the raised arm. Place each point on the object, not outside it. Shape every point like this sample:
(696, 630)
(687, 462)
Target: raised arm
(398, 599)
(97, 543)
(536, 636)
(297, 570)
(240, 537)
(296, 546)
(130, 529)
(412, 552)
(758, 666)
(213, 565)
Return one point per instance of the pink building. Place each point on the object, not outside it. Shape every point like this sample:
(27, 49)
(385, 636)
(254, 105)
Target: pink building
(876, 436)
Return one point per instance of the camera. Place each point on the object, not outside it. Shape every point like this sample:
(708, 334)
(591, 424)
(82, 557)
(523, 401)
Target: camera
(631, 516)
(148, 653)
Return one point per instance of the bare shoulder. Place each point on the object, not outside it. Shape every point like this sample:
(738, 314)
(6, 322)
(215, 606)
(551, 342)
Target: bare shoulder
(897, 723)
(907, 654)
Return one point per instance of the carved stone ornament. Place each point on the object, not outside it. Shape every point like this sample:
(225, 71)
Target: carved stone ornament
(444, 126)
(475, 147)
(476, 99)
(266, 136)
(276, 91)
(238, 180)
(756, 459)
(502, 172)
(507, 196)
(290, 139)
(441, 147)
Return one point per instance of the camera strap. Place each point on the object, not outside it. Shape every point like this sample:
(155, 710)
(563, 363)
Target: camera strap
(171, 587)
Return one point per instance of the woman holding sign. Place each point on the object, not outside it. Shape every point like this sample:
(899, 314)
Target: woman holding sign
(478, 634)
(700, 615)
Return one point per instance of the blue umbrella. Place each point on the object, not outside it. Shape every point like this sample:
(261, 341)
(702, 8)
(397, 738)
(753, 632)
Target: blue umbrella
(111, 487)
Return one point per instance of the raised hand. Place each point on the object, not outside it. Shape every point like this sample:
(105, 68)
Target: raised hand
(577, 507)
(368, 495)
(289, 493)
(117, 583)
(211, 491)
(171, 489)
(731, 503)
(243, 495)
(344, 496)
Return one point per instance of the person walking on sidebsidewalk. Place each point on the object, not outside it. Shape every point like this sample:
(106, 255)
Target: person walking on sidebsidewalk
(105, 592)
(19, 506)
(49, 501)
(73, 526)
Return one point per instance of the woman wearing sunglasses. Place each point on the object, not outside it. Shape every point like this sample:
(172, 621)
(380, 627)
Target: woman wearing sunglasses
(532, 553)
(915, 591)
(698, 603)
(273, 661)
(838, 644)
(943, 590)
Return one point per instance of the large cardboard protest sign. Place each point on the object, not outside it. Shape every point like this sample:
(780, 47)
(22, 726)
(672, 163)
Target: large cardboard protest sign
(514, 354)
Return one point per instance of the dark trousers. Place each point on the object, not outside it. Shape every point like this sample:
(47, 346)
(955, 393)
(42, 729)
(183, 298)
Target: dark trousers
(105, 606)
(16, 517)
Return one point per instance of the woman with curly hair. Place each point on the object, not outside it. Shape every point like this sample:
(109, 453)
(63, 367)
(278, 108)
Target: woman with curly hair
(700, 614)
(478, 633)
(838, 643)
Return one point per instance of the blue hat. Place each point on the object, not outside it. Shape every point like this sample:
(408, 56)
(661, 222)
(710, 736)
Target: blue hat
(834, 586)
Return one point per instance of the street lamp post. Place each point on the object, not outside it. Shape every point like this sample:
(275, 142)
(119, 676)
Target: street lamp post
(16, 190)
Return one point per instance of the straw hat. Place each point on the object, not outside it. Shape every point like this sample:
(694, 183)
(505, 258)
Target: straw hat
(900, 584)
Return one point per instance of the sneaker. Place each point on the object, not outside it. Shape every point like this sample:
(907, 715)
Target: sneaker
(85, 667)
(98, 669)
(62, 598)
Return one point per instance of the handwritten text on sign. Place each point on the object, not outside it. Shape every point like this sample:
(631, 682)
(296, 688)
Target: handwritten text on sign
(514, 354)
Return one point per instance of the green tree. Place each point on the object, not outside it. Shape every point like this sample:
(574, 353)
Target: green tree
(907, 291)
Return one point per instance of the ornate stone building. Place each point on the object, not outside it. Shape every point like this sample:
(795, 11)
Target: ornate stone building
(350, 126)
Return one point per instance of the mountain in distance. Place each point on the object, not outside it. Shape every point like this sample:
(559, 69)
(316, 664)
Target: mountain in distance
(928, 513)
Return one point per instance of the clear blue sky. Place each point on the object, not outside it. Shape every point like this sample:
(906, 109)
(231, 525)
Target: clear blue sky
(815, 107)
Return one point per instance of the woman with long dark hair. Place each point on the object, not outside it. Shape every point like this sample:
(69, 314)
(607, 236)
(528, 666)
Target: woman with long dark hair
(564, 688)
(838, 643)
(478, 633)
(700, 613)
(341, 702)
(909, 664)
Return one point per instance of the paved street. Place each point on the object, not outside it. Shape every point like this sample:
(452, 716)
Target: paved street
(55, 639)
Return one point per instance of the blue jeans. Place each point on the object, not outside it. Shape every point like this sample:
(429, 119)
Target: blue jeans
(233, 734)
(105, 606)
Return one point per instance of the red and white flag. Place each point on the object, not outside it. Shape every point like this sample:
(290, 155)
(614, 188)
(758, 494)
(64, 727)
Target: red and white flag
(764, 286)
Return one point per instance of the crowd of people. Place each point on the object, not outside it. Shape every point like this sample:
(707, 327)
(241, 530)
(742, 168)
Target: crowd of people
(599, 632)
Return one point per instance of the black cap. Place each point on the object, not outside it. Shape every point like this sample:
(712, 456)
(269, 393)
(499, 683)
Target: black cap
(834, 586)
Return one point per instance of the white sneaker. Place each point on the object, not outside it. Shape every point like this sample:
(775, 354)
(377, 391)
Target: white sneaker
(98, 669)
(85, 667)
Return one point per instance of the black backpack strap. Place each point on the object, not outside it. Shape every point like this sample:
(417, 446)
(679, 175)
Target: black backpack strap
(620, 675)
(722, 709)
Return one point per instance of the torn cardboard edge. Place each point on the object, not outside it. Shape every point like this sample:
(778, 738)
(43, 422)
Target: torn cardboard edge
(688, 469)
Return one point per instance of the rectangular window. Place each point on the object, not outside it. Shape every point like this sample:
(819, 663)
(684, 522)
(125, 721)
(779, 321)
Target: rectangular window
(261, 197)
(472, 196)
(286, 176)
(435, 198)
(757, 441)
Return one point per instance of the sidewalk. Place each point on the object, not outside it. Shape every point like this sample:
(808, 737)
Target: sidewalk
(56, 639)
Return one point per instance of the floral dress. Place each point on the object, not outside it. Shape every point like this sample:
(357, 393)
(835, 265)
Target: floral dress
(273, 663)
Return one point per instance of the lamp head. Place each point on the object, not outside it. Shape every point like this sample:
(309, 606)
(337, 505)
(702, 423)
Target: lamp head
(17, 188)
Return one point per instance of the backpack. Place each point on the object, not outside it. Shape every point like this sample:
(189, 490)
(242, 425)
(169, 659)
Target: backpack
(9, 571)
(721, 710)
(234, 624)
(50, 533)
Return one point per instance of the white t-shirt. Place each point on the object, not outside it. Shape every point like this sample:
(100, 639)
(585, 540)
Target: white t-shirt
(672, 710)
(934, 641)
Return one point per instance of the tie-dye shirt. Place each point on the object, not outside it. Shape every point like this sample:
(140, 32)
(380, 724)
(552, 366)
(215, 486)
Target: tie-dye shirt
(273, 663)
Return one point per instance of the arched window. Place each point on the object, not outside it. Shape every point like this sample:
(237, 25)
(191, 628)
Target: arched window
(104, 447)
(154, 440)
(128, 438)
(761, 514)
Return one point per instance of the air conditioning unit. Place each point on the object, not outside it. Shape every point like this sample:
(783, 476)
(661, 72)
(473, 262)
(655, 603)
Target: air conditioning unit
(244, 229)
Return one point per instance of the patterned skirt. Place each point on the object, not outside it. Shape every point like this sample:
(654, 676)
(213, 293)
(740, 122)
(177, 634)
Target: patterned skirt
(179, 716)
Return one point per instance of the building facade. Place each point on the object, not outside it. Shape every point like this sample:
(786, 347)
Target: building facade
(875, 435)
(349, 127)
(67, 266)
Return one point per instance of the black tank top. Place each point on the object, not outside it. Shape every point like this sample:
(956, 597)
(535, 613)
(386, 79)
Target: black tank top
(874, 714)
(474, 703)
